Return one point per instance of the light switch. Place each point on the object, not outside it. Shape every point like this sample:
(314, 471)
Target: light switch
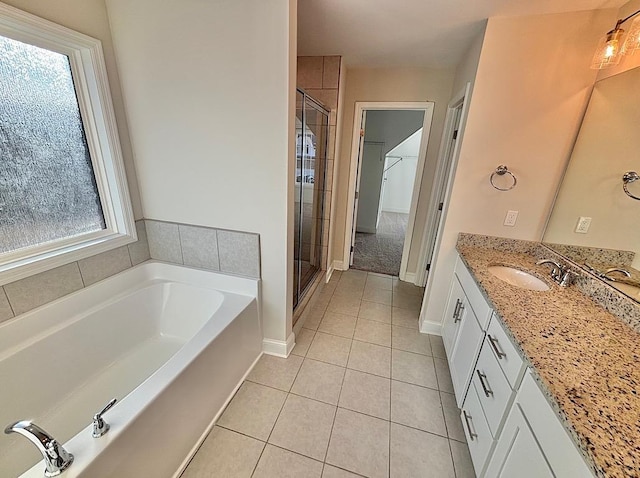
(583, 225)
(511, 218)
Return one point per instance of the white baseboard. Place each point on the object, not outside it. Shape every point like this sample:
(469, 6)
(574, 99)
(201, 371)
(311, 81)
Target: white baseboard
(367, 229)
(409, 277)
(279, 348)
(428, 327)
(329, 272)
(392, 209)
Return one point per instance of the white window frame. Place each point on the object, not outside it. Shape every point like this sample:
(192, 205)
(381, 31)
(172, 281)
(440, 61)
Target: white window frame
(96, 110)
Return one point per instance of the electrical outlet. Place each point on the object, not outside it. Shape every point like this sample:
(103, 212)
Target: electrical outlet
(511, 218)
(583, 225)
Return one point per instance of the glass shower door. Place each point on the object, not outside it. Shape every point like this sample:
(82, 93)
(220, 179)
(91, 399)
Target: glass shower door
(312, 131)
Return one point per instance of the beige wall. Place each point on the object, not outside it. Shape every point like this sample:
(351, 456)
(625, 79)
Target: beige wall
(209, 89)
(90, 17)
(389, 85)
(531, 89)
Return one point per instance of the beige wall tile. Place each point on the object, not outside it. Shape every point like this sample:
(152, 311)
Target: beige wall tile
(34, 291)
(329, 178)
(331, 146)
(139, 250)
(328, 98)
(164, 241)
(106, 264)
(309, 72)
(239, 253)
(199, 247)
(331, 72)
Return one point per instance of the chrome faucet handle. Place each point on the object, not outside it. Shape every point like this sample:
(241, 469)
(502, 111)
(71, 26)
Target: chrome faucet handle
(56, 458)
(100, 427)
(615, 269)
(567, 277)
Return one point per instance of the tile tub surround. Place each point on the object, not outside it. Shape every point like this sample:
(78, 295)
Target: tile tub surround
(221, 250)
(585, 358)
(26, 294)
(325, 412)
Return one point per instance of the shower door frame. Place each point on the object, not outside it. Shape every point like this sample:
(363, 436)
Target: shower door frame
(301, 291)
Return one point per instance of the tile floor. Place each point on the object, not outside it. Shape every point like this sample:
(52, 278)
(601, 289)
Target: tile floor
(362, 394)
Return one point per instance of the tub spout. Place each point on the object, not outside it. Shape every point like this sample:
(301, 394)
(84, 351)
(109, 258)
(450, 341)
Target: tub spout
(56, 458)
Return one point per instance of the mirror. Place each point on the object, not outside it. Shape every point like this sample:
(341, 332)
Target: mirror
(594, 221)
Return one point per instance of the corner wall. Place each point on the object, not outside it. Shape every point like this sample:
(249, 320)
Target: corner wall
(209, 90)
(531, 89)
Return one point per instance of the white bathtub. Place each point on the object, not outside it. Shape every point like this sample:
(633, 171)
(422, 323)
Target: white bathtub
(171, 343)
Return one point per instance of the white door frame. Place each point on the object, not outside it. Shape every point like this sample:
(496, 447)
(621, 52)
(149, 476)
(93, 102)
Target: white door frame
(445, 177)
(355, 166)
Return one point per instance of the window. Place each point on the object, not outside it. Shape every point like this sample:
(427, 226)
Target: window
(63, 192)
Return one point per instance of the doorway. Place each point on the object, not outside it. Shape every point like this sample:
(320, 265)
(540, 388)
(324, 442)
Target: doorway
(389, 152)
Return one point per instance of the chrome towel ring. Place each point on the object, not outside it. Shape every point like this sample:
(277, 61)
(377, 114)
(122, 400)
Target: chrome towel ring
(501, 171)
(627, 178)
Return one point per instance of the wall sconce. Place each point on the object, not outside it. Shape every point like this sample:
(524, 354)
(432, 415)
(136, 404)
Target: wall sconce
(611, 46)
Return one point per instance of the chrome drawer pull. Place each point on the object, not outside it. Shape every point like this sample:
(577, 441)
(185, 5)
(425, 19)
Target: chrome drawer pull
(467, 418)
(458, 311)
(494, 345)
(485, 387)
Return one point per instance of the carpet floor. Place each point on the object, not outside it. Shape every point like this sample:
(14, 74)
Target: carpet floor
(382, 252)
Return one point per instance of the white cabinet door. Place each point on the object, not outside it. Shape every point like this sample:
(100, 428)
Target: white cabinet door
(465, 352)
(451, 323)
(517, 453)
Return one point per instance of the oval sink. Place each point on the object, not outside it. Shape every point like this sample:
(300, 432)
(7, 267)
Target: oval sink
(518, 278)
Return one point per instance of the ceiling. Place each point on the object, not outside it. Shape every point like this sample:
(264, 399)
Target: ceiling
(410, 33)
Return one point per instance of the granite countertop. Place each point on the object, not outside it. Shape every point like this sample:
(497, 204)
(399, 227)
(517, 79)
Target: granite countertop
(586, 359)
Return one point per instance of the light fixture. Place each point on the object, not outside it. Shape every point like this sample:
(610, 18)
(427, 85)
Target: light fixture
(611, 46)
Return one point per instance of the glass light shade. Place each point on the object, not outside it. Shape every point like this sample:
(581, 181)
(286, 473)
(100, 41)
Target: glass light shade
(608, 52)
(632, 42)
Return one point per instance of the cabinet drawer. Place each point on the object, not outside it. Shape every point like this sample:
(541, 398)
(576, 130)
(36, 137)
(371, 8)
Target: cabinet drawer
(505, 352)
(474, 295)
(492, 387)
(476, 430)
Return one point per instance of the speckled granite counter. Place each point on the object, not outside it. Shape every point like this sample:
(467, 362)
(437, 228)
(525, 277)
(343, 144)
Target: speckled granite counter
(587, 359)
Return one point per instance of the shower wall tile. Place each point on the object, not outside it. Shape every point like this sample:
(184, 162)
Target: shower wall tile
(164, 241)
(139, 250)
(329, 181)
(331, 72)
(5, 308)
(329, 98)
(106, 264)
(310, 72)
(239, 253)
(199, 247)
(331, 146)
(31, 292)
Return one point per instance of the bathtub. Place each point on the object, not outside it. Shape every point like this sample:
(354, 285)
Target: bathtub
(171, 343)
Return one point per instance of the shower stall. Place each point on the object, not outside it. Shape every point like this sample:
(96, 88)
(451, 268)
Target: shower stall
(312, 131)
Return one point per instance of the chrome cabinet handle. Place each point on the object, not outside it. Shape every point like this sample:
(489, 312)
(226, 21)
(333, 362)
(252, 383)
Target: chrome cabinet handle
(458, 311)
(494, 345)
(467, 419)
(485, 386)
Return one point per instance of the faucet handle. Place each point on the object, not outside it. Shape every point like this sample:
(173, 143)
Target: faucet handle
(100, 427)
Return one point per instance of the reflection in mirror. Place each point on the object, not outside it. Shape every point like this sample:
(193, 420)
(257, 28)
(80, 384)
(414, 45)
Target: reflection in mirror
(593, 220)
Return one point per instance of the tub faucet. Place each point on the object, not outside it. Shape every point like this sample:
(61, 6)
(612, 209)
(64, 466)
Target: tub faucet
(56, 458)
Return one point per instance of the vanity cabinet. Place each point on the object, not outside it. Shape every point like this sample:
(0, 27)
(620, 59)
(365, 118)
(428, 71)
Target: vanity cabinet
(509, 425)
(533, 442)
(466, 317)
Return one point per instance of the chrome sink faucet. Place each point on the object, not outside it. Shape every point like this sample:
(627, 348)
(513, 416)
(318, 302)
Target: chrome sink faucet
(56, 458)
(606, 274)
(561, 274)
